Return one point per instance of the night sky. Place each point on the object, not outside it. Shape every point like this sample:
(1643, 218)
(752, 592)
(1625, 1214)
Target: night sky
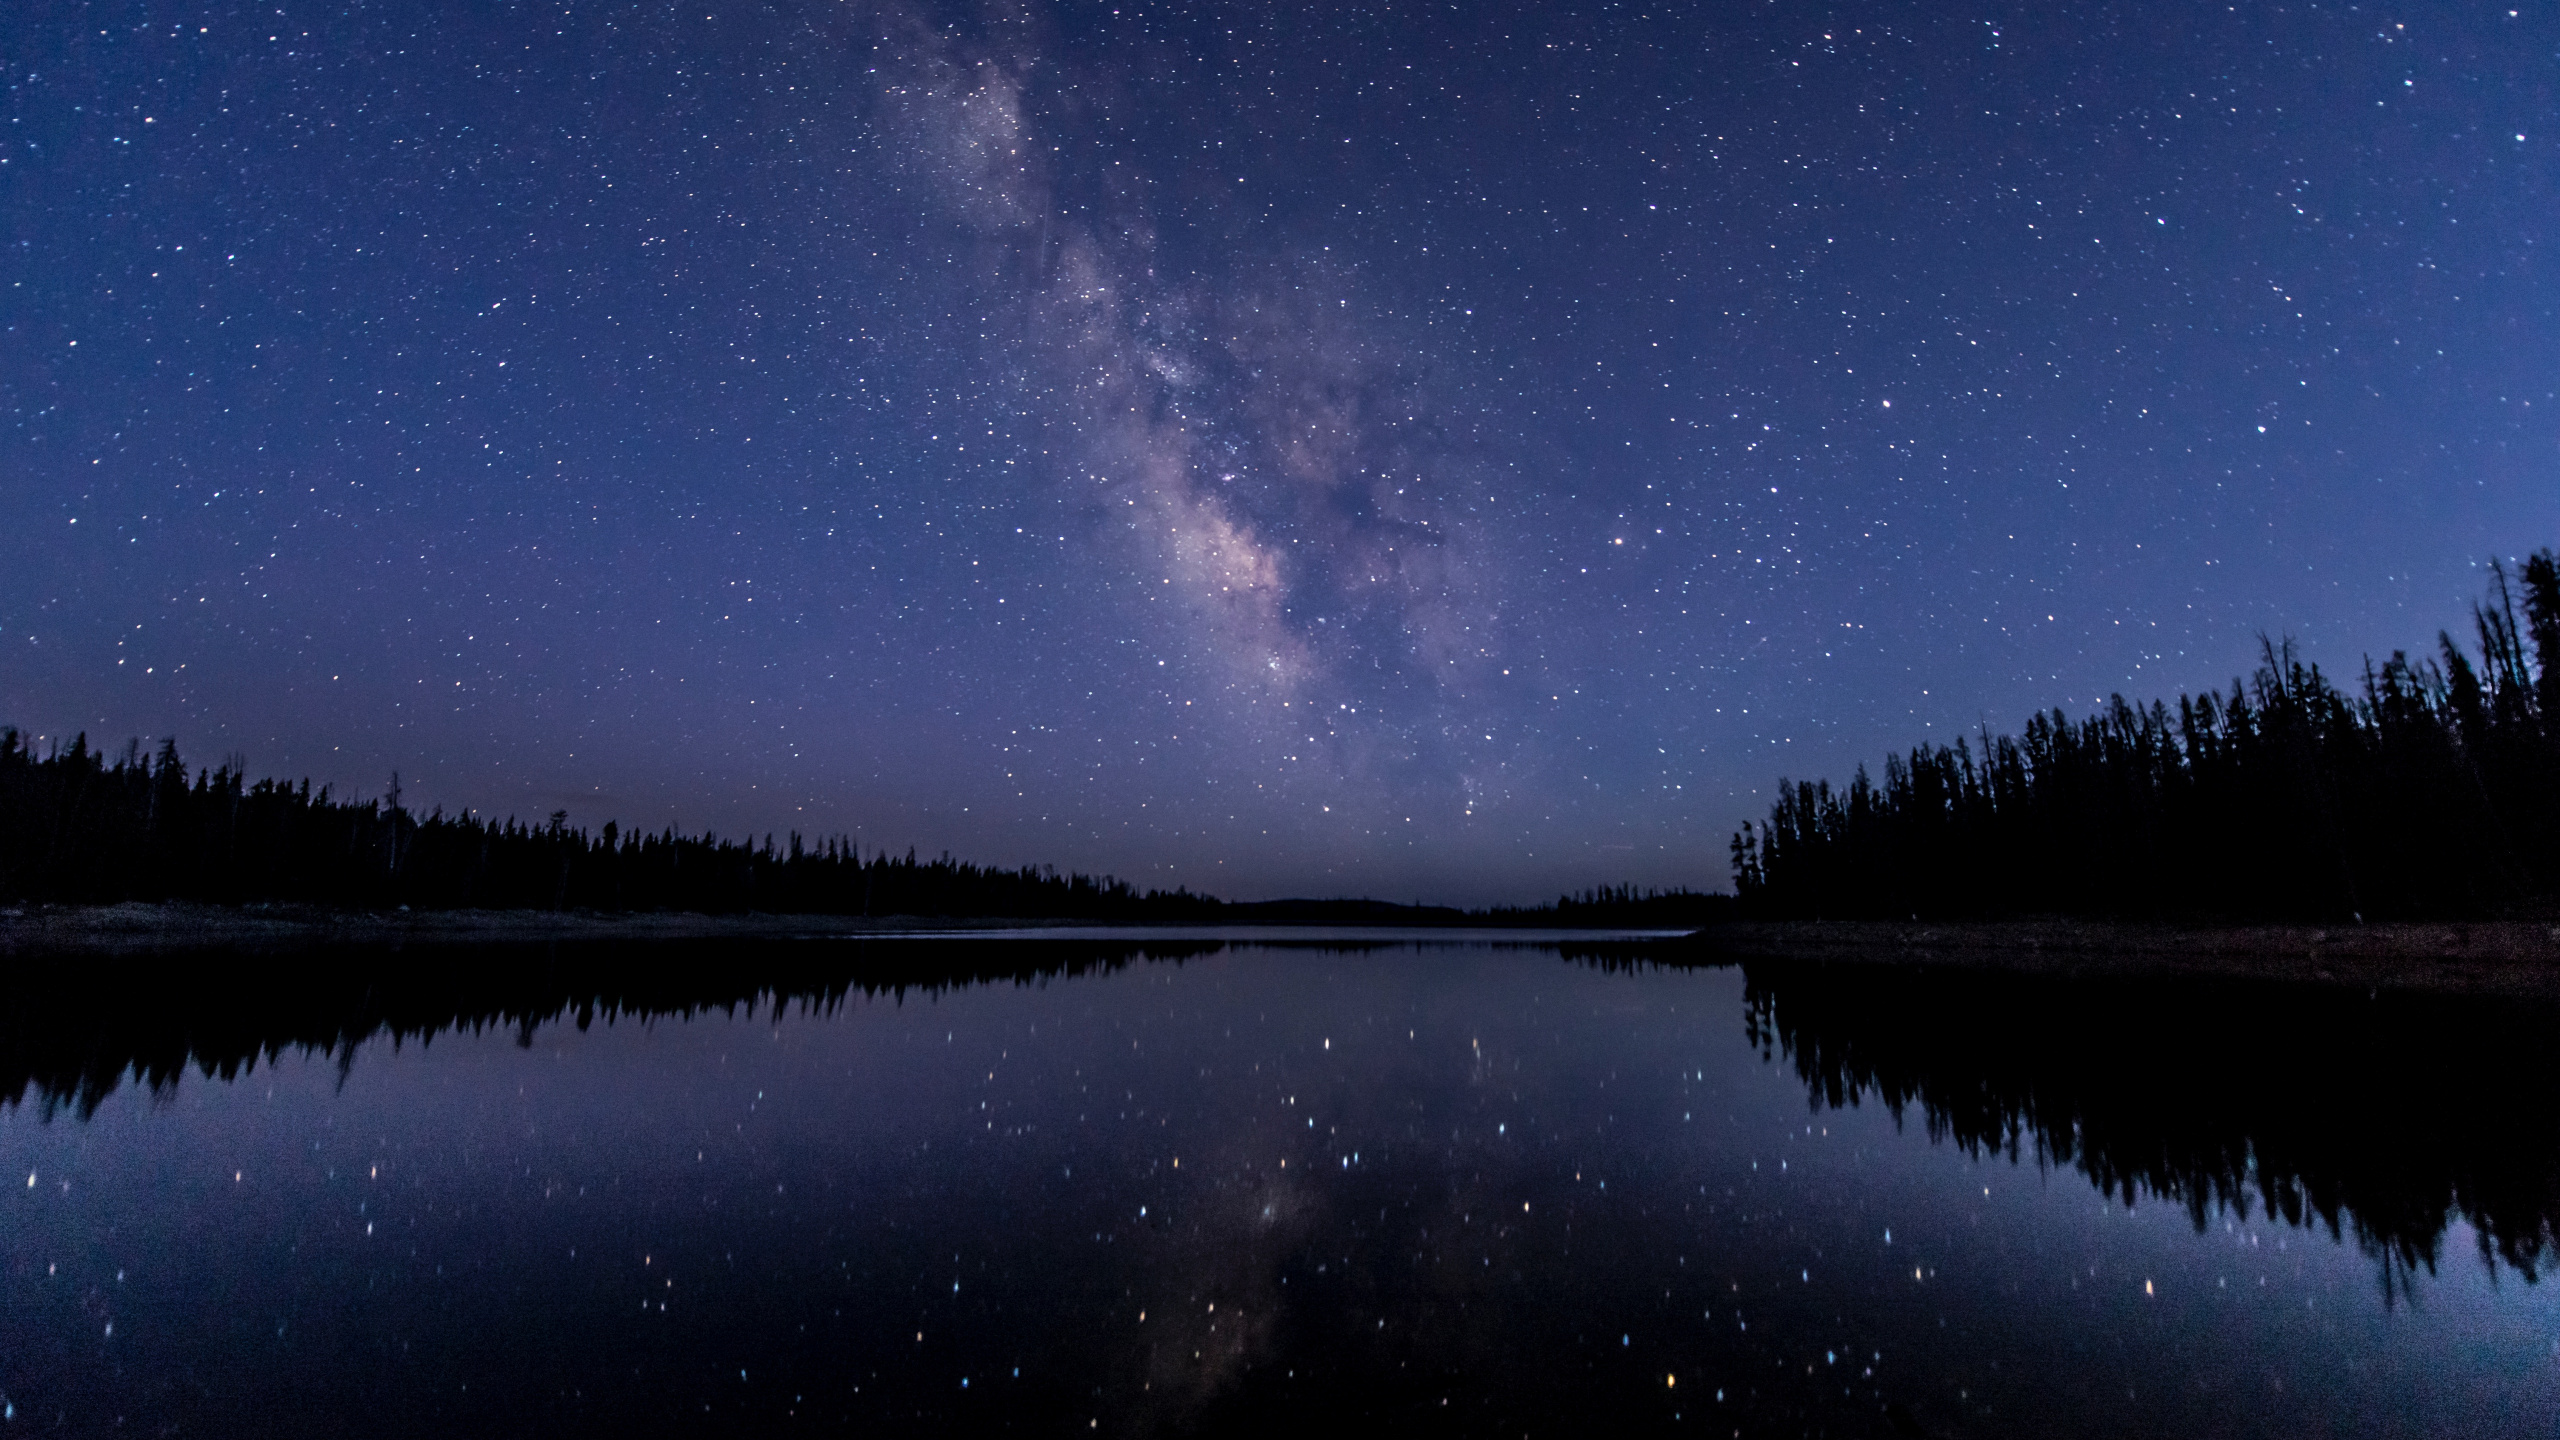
(1440, 452)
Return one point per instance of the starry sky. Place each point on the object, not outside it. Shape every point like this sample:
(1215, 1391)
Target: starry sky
(1444, 452)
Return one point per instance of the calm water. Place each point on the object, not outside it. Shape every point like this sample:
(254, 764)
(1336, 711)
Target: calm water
(1096, 1187)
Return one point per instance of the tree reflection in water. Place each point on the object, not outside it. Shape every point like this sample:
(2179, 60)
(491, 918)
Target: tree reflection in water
(78, 1027)
(2381, 1116)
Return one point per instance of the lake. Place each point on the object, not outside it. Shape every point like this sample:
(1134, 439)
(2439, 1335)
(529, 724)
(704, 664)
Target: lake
(1161, 1184)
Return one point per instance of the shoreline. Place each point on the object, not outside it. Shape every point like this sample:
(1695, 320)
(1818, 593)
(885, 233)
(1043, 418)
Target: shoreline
(138, 927)
(66, 929)
(2513, 958)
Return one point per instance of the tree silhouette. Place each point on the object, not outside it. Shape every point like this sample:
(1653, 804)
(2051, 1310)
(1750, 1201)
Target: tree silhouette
(80, 828)
(2432, 793)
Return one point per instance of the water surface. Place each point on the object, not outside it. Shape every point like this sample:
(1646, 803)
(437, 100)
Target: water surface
(1161, 1186)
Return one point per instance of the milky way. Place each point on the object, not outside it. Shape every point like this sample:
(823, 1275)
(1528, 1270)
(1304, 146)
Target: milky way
(1276, 464)
(1450, 453)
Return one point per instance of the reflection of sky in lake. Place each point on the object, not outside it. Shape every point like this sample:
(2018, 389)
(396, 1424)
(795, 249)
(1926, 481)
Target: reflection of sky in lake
(1472, 1186)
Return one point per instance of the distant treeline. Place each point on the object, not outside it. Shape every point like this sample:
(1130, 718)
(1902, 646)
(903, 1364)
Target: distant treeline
(1617, 905)
(78, 828)
(81, 827)
(2433, 791)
